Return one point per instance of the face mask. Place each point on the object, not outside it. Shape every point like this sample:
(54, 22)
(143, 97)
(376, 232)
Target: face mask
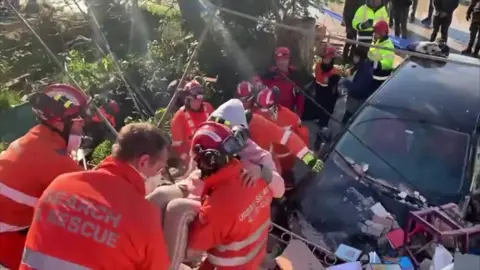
(150, 182)
(74, 142)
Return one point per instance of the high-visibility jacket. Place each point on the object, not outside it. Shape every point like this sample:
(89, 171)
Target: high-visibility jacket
(96, 219)
(183, 126)
(233, 222)
(322, 77)
(382, 59)
(291, 124)
(365, 13)
(27, 167)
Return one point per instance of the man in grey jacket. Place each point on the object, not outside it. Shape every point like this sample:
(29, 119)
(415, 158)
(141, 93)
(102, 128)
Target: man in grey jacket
(442, 18)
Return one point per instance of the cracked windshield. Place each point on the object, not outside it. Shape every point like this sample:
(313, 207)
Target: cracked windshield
(252, 134)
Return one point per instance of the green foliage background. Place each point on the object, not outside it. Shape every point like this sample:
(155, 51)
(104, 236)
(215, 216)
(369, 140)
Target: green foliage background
(152, 41)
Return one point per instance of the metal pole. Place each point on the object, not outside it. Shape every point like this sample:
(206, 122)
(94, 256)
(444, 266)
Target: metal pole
(185, 73)
(117, 65)
(336, 37)
(59, 64)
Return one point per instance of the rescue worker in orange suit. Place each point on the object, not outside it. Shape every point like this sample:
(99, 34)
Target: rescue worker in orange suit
(289, 96)
(96, 128)
(325, 92)
(31, 163)
(233, 223)
(266, 106)
(246, 92)
(188, 118)
(180, 201)
(99, 219)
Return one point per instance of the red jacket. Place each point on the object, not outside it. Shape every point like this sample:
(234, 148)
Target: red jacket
(27, 167)
(233, 222)
(289, 97)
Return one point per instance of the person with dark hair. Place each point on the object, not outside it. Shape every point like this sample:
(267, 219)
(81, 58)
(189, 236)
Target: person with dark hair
(31, 163)
(103, 211)
(359, 86)
(442, 19)
(473, 15)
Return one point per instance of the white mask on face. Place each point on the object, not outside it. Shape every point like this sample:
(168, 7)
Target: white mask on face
(151, 182)
(74, 142)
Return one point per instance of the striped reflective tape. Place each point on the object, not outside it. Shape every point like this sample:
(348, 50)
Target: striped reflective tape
(286, 136)
(17, 196)
(40, 261)
(5, 227)
(236, 246)
(237, 261)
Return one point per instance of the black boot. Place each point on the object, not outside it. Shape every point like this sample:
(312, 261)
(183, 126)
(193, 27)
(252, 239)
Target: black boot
(476, 51)
(427, 21)
(467, 51)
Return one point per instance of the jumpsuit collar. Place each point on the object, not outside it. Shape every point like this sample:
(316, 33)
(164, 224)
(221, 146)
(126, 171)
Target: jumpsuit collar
(124, 170)
(222, 176)
(48, 135)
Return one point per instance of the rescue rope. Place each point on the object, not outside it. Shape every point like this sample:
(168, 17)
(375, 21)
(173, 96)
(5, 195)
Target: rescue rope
(116, 64)
(184, 75)
(340, 38)
(59, 64)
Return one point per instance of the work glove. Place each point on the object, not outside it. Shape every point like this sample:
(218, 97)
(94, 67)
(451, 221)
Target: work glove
(314, 163)
(366, 24)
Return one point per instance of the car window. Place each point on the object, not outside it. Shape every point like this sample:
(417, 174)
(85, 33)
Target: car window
(401, 150)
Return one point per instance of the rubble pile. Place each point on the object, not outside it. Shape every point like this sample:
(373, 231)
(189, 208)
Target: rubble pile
(435, 238)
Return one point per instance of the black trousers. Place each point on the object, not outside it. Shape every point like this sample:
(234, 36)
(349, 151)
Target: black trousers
(442, 25)
(348, 48)
(400, 15)
(474, 34)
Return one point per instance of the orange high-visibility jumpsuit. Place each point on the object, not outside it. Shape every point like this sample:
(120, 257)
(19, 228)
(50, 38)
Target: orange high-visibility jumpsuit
(291, 124)
(183, 126)
(233, 222)
(96, 219)
(27, 167)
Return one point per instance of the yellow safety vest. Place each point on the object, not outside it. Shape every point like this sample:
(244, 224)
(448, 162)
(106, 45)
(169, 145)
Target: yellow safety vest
(386, 59)
(365, 13)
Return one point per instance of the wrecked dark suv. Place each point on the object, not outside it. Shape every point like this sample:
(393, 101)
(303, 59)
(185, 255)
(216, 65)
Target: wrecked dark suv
(417, 135)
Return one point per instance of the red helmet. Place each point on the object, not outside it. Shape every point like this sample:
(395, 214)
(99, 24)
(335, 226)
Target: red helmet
(282, 53)
(59, 102)
(213, 144)
(381, 28)
(109, 110)
(245, 91)
(193, 90)
(266, 98)
(330, 52)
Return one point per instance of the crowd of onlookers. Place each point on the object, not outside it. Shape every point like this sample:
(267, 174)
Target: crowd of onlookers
(439, 18)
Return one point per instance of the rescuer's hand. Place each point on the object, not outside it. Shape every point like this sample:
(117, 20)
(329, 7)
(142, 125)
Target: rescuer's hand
(250, 175)
(311, 161)
(366, 24)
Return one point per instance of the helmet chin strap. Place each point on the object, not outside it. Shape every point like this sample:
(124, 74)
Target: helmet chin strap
(67, 128)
